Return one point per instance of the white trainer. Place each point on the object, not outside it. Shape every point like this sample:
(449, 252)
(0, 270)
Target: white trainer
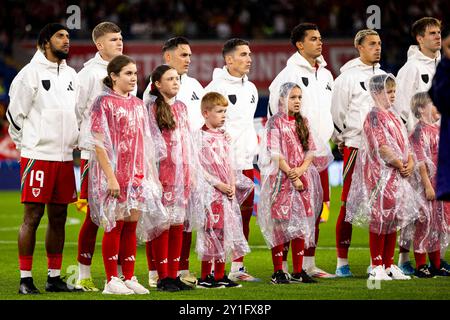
(134, 285)
(319, 273)
(379, 273)
(396, 273)
(116, 286)
(242, 275)
(153, 279)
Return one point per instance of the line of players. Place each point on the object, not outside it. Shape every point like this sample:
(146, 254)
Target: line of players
(44, 126)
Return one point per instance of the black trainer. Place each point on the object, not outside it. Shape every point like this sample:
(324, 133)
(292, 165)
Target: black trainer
(280, 277)
(225, 281)
(57, 284)
(181, 285)
(167, 284)
(442, 271)
(27, 286)
(423, 272)
(209, 283)
(302, 277)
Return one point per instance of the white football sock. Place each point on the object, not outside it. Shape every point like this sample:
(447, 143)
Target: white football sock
(54, 273)
(25, 274)
(235, 266)
(309, 262)
(285, 267)
(403, 257)
(342, 262)
(84, 271)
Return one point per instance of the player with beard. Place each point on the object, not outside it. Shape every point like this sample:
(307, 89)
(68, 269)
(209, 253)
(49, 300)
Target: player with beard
(44, 129)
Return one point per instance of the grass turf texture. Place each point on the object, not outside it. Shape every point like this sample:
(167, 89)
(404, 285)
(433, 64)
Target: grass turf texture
(258, 263)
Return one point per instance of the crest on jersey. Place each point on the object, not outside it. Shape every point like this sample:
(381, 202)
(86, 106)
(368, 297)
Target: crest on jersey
(168, 195)
(232, 98)
(36, 192)
(305, 81)
(425, 78)
(46, 84)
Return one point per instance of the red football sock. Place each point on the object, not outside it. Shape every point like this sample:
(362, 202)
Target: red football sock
(286, 250)
(110, 250)
(175, 243)
(343, 234)
(421, 259)
(185, 250)
(435, 258)
(160, 246)
(390, 241)
(25, 263)
(206, 268)
(277, 258)
(54, 260)
(219, 269)
(127, 251)
(298, 246)
(86, 240)
(150, 257)
(376, 244)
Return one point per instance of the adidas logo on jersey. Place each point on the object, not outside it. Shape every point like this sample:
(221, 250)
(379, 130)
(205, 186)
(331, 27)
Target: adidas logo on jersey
(194, 96)
(69, 88)
(253, 99)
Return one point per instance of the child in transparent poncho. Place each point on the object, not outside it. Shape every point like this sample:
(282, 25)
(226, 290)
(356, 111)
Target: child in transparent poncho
(291, 192)
(124, 191)
(221, 237)
(382, 197)
(431, 229)
(180, 175)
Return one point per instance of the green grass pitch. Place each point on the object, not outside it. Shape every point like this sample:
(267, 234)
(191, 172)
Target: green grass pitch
(258, 263)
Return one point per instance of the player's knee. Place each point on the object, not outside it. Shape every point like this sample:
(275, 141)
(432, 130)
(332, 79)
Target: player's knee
(33, 214)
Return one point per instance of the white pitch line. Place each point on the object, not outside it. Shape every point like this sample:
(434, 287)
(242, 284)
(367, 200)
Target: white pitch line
(69, 222)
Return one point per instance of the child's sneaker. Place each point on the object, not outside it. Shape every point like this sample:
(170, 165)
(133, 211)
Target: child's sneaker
(117, 286)
(280, 277)
(225, 281)
(379, 273)
(442, 271)
(209, 283)
(134, 285)
(344, 271)
(302, 277)
(396, 274)
(407, 268)
(423, 272)
(242, 275)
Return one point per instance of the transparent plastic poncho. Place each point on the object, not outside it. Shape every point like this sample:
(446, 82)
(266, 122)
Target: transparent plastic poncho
(430, 231)
(120, 126)
(380, 198)
(221, 236)
(285, 213)
(185, 190)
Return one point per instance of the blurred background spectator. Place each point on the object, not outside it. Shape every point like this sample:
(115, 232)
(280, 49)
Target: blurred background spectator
(202, 19)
